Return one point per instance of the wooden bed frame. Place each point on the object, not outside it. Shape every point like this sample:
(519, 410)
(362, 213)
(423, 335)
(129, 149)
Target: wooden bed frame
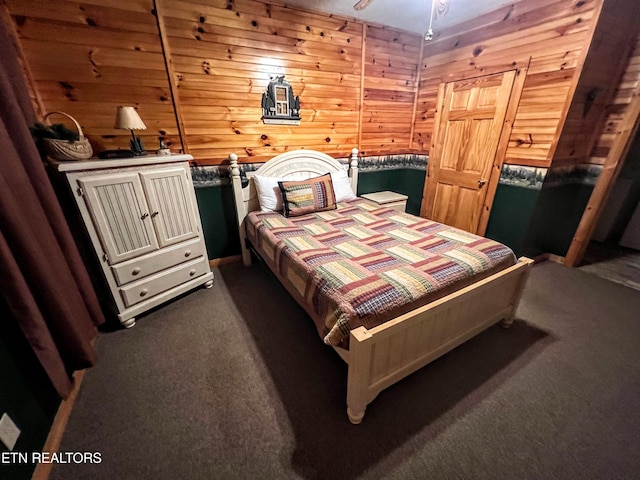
(381, 356)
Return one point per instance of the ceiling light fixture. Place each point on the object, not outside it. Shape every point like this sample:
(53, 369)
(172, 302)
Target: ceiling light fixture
(429, 34)
(362, 4)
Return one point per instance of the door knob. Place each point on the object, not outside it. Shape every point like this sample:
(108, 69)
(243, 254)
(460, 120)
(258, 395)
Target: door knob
(481, 183)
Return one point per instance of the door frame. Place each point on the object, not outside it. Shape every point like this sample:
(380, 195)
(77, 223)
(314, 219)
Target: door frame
(503, 141)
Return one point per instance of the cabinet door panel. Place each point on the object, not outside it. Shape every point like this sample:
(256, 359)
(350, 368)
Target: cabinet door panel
(120, 214)
(171, 201)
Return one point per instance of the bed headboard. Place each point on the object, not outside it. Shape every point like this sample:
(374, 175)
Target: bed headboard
(294, 165)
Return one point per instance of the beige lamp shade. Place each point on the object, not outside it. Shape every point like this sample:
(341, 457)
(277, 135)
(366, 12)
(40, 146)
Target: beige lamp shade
(127, 117)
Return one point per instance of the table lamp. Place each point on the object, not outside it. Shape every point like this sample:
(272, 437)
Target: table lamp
(128, 118)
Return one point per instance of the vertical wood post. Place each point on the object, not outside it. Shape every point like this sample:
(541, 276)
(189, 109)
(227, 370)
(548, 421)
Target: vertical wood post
(360, 344)
(361, 103)
(416, 94)
(604, 185)
(241, 207)
(173, 86)
(353, 170)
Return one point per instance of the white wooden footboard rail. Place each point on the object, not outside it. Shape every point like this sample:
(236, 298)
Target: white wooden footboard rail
(382, 356)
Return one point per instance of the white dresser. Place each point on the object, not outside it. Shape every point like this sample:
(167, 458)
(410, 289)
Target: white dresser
(143, 221)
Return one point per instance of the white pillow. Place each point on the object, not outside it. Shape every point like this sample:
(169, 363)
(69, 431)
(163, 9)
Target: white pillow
(269, 194)
(342, 186)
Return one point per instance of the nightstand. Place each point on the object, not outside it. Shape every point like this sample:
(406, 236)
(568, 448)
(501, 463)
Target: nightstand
(394, 200)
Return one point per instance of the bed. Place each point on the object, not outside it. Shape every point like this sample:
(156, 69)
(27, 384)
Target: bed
(389, 291)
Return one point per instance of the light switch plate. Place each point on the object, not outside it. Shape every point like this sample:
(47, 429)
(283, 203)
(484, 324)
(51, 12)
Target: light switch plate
(9, 432)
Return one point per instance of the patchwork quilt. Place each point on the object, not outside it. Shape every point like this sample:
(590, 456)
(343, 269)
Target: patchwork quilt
(362, 264)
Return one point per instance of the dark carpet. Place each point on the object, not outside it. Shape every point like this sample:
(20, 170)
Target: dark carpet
(235, 383)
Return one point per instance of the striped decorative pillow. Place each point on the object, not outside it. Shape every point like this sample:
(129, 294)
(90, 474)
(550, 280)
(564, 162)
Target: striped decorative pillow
(307, 196)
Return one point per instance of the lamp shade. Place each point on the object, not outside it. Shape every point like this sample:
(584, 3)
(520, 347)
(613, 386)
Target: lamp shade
(128, 118)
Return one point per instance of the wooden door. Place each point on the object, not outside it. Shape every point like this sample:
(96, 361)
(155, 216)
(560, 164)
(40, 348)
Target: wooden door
(171, 203)
(467, 131)
(119, 211)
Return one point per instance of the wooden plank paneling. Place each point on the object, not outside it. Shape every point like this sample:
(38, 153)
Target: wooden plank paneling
(548, 36)
(223, 55)
(356, 89)
(617, 107)
(390, 84)
(602, 72)
(88, 57)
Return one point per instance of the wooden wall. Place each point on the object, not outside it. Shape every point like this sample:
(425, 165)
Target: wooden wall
(223, 54)
(610, 49)
(618, 106)
(548, 38)
(87, 58)
(196, 71)
(390, 83)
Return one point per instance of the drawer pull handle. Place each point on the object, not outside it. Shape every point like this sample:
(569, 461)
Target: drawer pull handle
(135, 271)
(143, 292)
(192, 272)
(187, 253)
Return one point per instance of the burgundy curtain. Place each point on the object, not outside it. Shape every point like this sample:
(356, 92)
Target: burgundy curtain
(42, 277)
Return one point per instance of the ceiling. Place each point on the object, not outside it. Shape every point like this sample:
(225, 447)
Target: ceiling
(409, 15)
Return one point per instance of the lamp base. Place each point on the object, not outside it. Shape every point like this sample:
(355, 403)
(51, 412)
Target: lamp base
(136, 147)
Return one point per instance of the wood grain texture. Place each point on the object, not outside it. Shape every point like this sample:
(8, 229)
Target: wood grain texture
(390, 84)
(360, 85)
(86, 58)
(223, 56)
(547, 37)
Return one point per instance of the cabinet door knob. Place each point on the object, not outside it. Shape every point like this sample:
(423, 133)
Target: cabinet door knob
(187, 253)
(154, 214)
(192, 272)
(143, 292)
(144, 215)
(135, 271)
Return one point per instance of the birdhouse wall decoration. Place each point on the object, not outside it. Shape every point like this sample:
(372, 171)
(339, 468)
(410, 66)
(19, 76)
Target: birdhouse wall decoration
(279, 105)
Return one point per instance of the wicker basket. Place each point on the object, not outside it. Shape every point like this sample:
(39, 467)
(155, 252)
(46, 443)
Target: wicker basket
(66, 149)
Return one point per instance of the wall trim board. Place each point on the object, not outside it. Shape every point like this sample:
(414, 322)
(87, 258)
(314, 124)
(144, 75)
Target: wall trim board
(503, 144)
(218, 262)
(52, 444)
(171, 75)
(361, 102)
(424, 209)
(415, 95)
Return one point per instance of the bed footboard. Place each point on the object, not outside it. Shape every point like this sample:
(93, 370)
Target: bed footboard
(382, 356)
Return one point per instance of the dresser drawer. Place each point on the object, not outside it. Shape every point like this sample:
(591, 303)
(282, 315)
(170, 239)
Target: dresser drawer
(157, 261)
(138, 291)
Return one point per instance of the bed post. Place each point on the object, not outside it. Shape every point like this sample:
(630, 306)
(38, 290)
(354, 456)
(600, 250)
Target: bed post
(360, 343)
(353, 170)
(508, 320)
(241, 207)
